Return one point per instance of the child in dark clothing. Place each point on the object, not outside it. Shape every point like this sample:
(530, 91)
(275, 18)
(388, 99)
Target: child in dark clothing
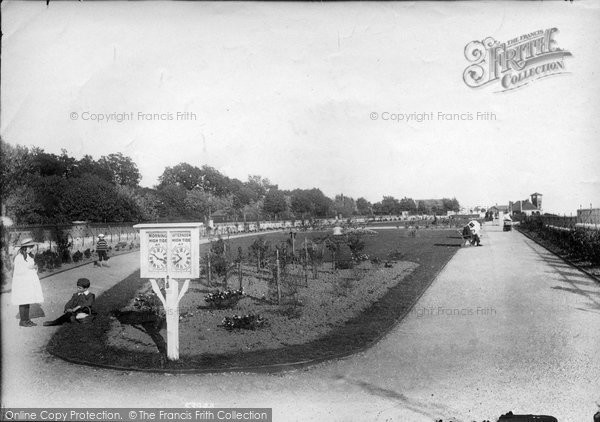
(78, 307)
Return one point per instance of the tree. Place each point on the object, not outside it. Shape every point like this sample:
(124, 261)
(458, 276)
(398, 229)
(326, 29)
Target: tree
(344, 205)
(183, 175)
(87, 165)
(363, 206)
(275, 202)
(171, 201)
(15, 163)
(93, 199)
(145, 200)
(259, 185)
(242, 196)
(390, 205)
(301, 203)
(46, 164)
(407, 204)
(321, 203)
(215, 182)
(197, 204)
(23, 207)
(124, 170)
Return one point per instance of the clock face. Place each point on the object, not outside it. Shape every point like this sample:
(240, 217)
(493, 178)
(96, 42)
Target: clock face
(157, 257)
(181, 258)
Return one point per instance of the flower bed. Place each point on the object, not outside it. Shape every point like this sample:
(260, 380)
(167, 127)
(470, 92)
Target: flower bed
(314, 311)
(245, 322)
(224, 299)
(335, 315)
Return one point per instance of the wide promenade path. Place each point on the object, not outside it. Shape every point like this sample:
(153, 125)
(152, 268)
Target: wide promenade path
(507, 326)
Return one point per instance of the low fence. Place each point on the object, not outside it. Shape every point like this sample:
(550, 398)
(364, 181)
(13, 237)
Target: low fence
(84, 236)
(77, 236)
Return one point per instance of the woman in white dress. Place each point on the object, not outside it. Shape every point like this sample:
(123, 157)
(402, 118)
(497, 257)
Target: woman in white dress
(26, 287)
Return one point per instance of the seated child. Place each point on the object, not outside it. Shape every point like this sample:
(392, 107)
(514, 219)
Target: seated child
(78, 307)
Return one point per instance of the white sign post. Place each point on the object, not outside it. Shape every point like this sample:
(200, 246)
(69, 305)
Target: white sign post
(170, 252)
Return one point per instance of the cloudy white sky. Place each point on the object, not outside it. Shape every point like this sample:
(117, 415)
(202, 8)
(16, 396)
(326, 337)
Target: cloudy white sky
(286, 90)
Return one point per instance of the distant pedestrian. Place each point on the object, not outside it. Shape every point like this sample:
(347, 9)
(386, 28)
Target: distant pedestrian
(102, 250)
(26, 287)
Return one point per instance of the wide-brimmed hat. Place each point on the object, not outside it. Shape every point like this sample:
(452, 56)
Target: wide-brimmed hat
(101, 235)
(26, 242)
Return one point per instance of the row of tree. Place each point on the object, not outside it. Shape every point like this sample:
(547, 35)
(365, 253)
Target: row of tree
(43, 188)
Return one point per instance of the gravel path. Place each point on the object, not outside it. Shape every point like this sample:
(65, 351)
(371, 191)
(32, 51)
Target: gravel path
(507, 326)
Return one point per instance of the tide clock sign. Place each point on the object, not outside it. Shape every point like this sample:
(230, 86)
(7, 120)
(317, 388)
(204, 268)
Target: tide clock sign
(170, 252)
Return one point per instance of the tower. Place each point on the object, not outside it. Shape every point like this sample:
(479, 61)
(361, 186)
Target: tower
(536, 200)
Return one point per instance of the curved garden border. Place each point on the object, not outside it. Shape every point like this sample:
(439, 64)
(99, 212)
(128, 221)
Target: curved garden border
(375, 323)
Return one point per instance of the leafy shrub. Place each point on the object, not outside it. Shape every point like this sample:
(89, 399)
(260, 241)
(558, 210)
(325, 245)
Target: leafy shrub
(77, 256)
(345, 265)
(356, 245)
(63, 245)
(579, 243)
(361, 257)
(396, 255)
(246, 322)
(87, 253)
(224, 299)
(47, 260)
(258, 250)
(148, 302)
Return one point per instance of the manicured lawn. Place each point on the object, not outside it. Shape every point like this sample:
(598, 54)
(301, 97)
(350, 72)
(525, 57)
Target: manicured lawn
(335, 315)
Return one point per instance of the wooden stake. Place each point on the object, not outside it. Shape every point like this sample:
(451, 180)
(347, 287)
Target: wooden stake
(305, 266)
(277, 280)
(208, 269)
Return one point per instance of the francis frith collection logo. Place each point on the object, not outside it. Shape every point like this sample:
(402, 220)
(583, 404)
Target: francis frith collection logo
(516, 62)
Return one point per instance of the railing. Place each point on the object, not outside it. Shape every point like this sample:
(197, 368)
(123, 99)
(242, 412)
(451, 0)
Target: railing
(84, 236)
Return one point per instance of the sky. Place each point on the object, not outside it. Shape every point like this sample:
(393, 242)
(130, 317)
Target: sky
(304, 94)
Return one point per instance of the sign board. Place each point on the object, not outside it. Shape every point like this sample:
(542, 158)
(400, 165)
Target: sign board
(169, 250)
(172, 252)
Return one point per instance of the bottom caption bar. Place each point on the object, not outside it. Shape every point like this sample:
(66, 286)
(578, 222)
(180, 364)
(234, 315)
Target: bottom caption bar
(138, 414)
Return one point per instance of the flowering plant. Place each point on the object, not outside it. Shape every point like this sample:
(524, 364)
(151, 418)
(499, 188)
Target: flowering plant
(246, 322)
(224, 298)
(147, 302)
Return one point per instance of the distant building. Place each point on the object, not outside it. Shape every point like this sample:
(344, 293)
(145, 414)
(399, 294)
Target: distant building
(527, 207)
(495, 210)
